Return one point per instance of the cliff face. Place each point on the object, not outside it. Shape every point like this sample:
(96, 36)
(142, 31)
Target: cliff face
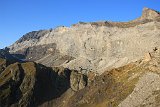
(94, 46)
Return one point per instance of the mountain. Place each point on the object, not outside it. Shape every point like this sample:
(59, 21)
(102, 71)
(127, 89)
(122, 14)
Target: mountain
(94, 64)
(134, 85)
(94, 46)
(29, 84)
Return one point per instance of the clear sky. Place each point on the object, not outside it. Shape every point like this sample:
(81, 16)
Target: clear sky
(18, 17)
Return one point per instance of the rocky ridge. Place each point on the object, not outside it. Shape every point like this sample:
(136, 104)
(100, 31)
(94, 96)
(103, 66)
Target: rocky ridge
(29, 84)
(94, 46)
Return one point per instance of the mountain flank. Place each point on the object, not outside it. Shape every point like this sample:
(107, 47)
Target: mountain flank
(94, 46)
(94, 64)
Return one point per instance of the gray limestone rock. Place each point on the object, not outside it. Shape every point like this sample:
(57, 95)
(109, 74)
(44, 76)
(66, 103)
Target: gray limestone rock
(94, 46)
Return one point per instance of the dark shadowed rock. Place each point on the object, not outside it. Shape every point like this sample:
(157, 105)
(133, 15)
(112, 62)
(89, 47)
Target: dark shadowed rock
(33, 35)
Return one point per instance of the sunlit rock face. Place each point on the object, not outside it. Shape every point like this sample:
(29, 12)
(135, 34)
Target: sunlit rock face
(94, 46)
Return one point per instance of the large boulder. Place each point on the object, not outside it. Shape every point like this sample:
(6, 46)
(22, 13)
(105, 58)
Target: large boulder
(78, 81)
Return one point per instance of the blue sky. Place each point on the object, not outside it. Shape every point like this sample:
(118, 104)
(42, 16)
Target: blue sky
(18, 17)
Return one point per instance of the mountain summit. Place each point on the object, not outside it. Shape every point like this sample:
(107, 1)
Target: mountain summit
(150, 14)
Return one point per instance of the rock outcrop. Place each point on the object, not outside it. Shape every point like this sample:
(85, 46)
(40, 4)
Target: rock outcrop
(150, 14)
(78, 81)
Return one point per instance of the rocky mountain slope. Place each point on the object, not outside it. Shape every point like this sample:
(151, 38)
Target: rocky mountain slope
(96, 64)
(134, 85)
(29, 84)
(93, 46)
(4, 53)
